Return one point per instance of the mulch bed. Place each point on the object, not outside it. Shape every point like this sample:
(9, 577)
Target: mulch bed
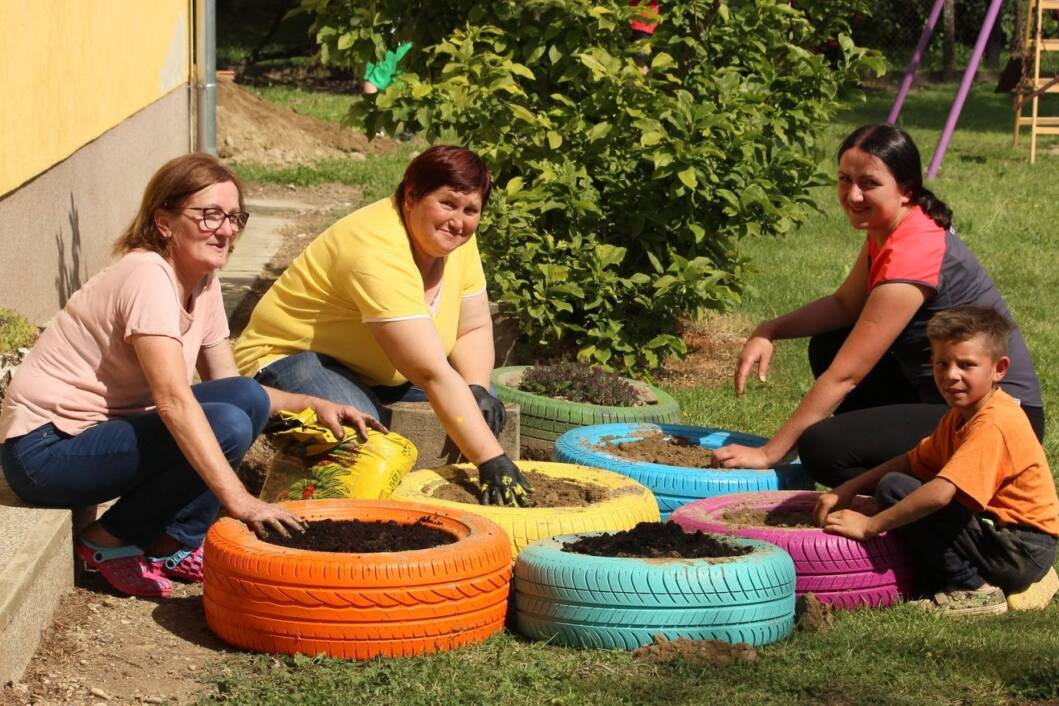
(656, 540)
(357, 537)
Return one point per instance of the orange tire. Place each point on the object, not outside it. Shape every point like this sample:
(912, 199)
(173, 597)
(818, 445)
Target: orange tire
(268, 598)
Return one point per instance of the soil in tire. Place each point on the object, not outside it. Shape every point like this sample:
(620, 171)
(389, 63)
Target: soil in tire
(751, 517)
(547, 491)
(658, 447)
(656, 540)
(357, 537)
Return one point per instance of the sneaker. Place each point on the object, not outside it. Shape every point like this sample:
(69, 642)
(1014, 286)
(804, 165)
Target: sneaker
(182, 565)
(125, 568)
(986, 600)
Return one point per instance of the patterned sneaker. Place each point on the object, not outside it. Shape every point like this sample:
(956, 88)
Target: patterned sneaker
(182, 565)
(124, 568)
(986, 600)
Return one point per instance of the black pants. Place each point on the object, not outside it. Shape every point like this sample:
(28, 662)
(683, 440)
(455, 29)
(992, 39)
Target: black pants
(953, 547)
(884, 416)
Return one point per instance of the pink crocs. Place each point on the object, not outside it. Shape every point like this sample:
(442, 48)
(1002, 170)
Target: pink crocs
(183, 565)
(125, 568)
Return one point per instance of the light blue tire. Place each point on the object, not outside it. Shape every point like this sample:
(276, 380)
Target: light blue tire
(579, 600)
(675, 486)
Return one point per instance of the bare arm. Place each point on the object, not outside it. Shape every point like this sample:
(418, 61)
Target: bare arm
(163, 365)
(841, 496)
(415, 349)
(474, 355)
(929, 497)
(888, 310)
(217, 362)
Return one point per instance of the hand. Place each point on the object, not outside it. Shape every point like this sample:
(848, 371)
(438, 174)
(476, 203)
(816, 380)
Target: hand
(503, 483)
(492, 409)
(262, 516)
(738, 456)
(850, 523)
(332, 415)
(837, 499)
(756, 351)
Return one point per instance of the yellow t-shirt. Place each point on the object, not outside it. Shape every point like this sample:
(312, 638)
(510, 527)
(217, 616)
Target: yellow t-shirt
(358, 271)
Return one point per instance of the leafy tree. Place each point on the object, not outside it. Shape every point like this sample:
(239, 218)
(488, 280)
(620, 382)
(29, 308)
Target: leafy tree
(622, 193)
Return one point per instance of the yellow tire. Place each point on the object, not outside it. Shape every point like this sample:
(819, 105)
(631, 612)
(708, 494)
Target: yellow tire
(628, 503)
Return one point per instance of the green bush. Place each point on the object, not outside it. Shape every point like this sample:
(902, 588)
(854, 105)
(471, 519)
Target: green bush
(578, 382)
(15, 331)
(622, 195)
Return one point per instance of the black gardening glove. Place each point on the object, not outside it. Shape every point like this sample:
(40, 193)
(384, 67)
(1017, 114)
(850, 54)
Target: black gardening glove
(502, 483)
(492, 409)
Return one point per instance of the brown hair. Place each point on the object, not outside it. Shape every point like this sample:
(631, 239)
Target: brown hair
(445, 165)
(168, 190)
(962, 323)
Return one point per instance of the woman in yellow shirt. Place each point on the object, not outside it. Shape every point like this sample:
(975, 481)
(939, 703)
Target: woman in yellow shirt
(390, 303)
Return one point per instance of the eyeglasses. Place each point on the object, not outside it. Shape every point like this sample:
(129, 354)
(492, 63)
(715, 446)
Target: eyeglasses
(211, 219)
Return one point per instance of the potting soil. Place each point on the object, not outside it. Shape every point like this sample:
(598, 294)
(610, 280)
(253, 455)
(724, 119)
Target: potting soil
(713, 653)
(656, 540)
(547, 491)
(357, 537)
(657, 447)
(752, 517)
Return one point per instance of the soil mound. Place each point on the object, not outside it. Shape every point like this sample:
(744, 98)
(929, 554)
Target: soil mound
(547, 491)
(812, 615)
(655, 540)
(356, 537)
(749, 517)
(656, 447)
(251, 129)
(713, 653)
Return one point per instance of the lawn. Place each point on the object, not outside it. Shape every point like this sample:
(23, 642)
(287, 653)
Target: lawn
(1007, 211)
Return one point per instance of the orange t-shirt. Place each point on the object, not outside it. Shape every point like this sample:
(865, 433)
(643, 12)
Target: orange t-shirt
(995, 462)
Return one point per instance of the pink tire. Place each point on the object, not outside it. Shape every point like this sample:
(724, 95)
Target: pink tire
(838, 571)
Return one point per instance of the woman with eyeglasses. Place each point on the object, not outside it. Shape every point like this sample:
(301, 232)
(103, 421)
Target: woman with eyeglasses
(104, 407)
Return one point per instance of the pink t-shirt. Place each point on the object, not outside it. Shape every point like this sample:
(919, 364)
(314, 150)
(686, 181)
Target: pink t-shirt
(83, 369)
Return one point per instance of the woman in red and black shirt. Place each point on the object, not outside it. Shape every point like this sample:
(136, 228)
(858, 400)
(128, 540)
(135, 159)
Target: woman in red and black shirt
(868, 347)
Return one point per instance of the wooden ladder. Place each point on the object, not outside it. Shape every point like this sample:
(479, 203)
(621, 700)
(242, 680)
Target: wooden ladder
(1030, 88)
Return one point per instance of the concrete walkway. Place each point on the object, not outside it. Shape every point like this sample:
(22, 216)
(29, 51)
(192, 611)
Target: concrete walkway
(37, 563)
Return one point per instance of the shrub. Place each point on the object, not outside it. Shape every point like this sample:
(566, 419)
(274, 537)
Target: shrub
(15, 331)
(622, 195)
(577, 382)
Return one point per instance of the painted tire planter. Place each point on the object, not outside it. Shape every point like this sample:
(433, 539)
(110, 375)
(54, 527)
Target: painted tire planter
(580, 600)
(629, 504)
(837, 570)
(674, 486)
(267, 598)
(545, 419)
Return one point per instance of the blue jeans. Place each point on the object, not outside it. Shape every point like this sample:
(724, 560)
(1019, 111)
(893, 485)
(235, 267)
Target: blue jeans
(136, 460)
(322, 376)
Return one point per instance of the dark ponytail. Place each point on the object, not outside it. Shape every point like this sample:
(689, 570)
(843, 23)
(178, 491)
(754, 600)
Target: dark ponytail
(894, 148)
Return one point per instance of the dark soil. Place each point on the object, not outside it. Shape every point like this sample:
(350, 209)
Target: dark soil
(356, 537)
(750, 517)
(656, 447)
(656, 540)
(813, 616)
(547, 491)
(712, 653)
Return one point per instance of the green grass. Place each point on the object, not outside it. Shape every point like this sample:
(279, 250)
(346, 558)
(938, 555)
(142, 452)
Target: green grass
(1007, 211)
(331, 107)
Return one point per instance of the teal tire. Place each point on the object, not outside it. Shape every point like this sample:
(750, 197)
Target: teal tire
(675, 486)
(543, 419)
(577, 600)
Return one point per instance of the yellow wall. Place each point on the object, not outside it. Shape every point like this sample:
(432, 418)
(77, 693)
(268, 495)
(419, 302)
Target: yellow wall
(72, 69)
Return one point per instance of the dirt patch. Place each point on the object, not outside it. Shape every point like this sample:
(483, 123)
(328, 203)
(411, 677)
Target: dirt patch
(713, 344)
(359, 537)
(752, 517)
(251, 129)
(656, 540)
(813, 616)
(102, 647)
(547, 491)
(656, 447)
(712, 653)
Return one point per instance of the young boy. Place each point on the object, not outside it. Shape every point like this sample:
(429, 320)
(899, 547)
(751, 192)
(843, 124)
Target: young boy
(975, 501)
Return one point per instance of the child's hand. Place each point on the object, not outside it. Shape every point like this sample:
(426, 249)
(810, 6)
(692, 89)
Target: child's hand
(851, 524)
(837, 499)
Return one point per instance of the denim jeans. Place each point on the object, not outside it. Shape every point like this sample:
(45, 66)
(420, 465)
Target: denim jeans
(136, 460)
(955, 547)
(322, 376)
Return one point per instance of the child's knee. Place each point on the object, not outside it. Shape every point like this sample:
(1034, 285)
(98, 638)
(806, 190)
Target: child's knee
(893, 488)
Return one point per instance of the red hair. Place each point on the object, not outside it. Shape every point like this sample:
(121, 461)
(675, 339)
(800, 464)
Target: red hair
(445, 165)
